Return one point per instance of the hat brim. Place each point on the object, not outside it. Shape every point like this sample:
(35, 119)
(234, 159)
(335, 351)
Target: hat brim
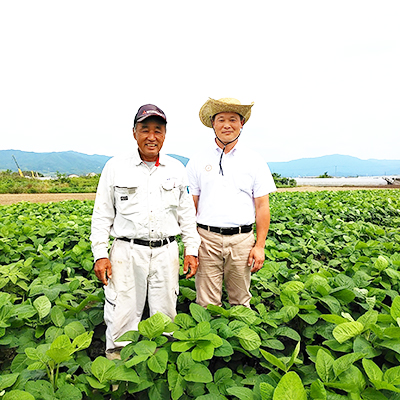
(212, 107)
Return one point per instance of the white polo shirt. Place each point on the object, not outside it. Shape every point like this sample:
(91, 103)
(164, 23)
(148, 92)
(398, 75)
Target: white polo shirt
(138, 202)
(228, 200)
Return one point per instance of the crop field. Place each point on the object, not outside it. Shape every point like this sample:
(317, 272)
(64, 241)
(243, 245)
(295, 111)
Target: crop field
(324, 321)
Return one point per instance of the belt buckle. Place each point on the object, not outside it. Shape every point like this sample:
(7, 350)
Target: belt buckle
(150, 243)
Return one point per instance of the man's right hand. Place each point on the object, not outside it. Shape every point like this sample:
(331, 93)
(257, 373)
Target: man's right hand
(102, 269)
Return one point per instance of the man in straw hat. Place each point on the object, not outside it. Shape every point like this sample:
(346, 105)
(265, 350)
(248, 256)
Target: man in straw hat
(143, 202)
(230, 185)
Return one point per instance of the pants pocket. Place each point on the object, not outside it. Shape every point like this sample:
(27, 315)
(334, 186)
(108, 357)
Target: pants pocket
(110, 304)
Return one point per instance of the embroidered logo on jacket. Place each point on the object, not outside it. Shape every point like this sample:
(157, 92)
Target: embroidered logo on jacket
(124, 198)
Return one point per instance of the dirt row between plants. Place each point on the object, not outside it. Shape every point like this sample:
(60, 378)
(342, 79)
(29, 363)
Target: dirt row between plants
(7, 199)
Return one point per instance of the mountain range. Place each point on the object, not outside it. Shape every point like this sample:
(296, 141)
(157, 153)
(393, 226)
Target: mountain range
(71, 162)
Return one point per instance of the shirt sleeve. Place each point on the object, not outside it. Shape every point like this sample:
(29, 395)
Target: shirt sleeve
(264, 182)
(187, 219)
(103, 214)
(192, 177)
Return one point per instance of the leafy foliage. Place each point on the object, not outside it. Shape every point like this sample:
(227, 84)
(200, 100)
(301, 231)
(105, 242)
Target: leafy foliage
(324, 321)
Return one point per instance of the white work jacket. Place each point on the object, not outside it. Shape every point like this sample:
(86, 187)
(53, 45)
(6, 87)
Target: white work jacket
(137, 202)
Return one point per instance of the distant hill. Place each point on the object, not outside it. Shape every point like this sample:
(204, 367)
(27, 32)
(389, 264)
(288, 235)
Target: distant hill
(335, 165)
(65, 162)
(71, 162)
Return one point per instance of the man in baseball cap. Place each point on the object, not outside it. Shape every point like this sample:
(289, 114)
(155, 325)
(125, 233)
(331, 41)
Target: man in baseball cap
(143, 202)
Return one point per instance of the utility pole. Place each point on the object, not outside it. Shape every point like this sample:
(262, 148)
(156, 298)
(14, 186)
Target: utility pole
(19, 169)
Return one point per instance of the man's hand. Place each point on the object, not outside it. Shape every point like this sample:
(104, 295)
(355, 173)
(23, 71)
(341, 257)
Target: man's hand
(256, 256)
(190, 265)
(102, 269)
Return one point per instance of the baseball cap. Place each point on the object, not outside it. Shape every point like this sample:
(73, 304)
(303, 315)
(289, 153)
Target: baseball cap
(149, 110)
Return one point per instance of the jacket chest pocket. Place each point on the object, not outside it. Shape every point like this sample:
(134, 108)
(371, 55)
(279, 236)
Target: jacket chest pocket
(126, 199)
(170, 194)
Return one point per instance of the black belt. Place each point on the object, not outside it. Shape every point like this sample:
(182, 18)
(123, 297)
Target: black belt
(150, 243)
(227, 231)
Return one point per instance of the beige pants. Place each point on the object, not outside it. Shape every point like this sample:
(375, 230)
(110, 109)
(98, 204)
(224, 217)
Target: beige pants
(139, 272)
(224, 257)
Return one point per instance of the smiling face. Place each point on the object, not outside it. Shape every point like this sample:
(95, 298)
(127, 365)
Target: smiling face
(150, 136)
(227, 126)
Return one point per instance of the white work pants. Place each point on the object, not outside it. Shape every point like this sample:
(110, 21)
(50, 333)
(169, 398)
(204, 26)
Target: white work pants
(139, 271)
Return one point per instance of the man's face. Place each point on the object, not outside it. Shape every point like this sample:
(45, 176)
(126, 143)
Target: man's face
(227, 126)
(150, 136)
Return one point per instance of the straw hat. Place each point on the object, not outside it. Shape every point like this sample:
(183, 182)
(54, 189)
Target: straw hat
(212, 107)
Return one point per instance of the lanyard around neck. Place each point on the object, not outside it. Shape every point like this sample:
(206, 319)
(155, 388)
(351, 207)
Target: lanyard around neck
(221, 171)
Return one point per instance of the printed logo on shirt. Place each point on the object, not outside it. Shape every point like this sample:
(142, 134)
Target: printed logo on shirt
(208, 168)
(124, 198)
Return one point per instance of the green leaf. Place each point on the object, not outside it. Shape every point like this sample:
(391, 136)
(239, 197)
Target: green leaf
(185, 321)
(324, 366)
(224, 350)
(218, 310)
(381, 263)
(393, 344)
(69, 392)
(199, 313)
(343, 363)
(145, 347)
(158, 362)
(74, 329)
(94, 383)
(248, 339)
(351, 381)
(273, 360)
(318, 391)
(43, 306)
(154, 326)
(176, 384)
(40, 389)
(184, 362)
(82, 341)
(372, 370)
(244, 314)
(180, 347)
(7, 380)
(130, 336)
(294, 355)
(198, 373)
(122, 373)
(241, 392)
(200, 330)
(289, 298)
(57, 316)
(101, 369)
(266, 391)
(395, 309)
(290, 387)
(18, 395)
(61, 349)
(203, 351)
(368, 319)
(392, 375)
(347, 330)
(334, 319)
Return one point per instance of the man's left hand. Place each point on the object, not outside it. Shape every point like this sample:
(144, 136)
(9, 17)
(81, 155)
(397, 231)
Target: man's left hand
(190, 265)
(256, 256)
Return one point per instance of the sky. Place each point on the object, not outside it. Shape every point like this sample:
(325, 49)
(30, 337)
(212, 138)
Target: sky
(324, 76)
